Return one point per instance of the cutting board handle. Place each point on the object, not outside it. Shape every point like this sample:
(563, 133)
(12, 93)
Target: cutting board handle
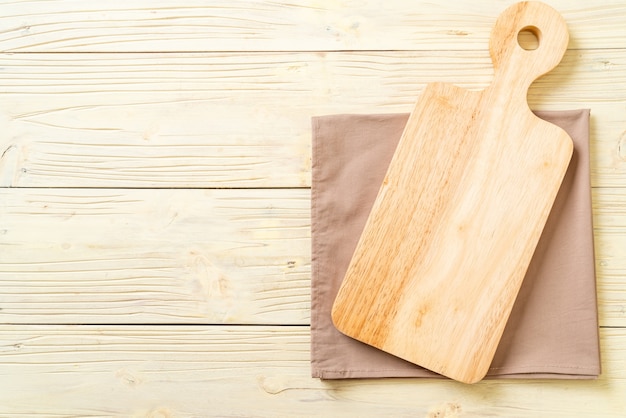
(519, 67)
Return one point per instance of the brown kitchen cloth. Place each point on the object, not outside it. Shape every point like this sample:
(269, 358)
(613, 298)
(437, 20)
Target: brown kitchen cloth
(553, 329)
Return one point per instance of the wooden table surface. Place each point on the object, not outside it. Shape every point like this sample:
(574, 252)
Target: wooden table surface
(155, 210)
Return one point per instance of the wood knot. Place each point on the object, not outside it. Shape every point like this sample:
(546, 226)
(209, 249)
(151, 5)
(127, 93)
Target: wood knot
(447, 410)
(621, 147)
(271, 385)
(128, 377)
(209, 280)
(160, 413)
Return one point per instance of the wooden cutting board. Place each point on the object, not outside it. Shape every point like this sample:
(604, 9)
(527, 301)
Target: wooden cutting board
(461, 209)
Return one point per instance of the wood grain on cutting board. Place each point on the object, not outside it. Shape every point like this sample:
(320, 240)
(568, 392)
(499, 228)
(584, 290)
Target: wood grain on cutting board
(460, 211)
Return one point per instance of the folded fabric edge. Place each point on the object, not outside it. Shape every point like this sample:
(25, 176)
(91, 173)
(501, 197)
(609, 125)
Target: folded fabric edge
(404, 374)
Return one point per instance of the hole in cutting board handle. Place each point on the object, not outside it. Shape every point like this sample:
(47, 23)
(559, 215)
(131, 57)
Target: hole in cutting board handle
(529, 38)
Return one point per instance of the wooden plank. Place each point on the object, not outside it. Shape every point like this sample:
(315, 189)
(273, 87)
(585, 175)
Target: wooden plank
(194, 256)
(156, 256)
(460, 212)
(609, 210)
(227, 25)
(256, 371)
(175, 120)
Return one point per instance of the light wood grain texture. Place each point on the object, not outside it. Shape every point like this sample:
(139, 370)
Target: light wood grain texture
(174, 120)
(609, 209)
(153, 117)
(224, 25)
(188, 371)
(460, 211)
(57, 243)
(168, 256)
